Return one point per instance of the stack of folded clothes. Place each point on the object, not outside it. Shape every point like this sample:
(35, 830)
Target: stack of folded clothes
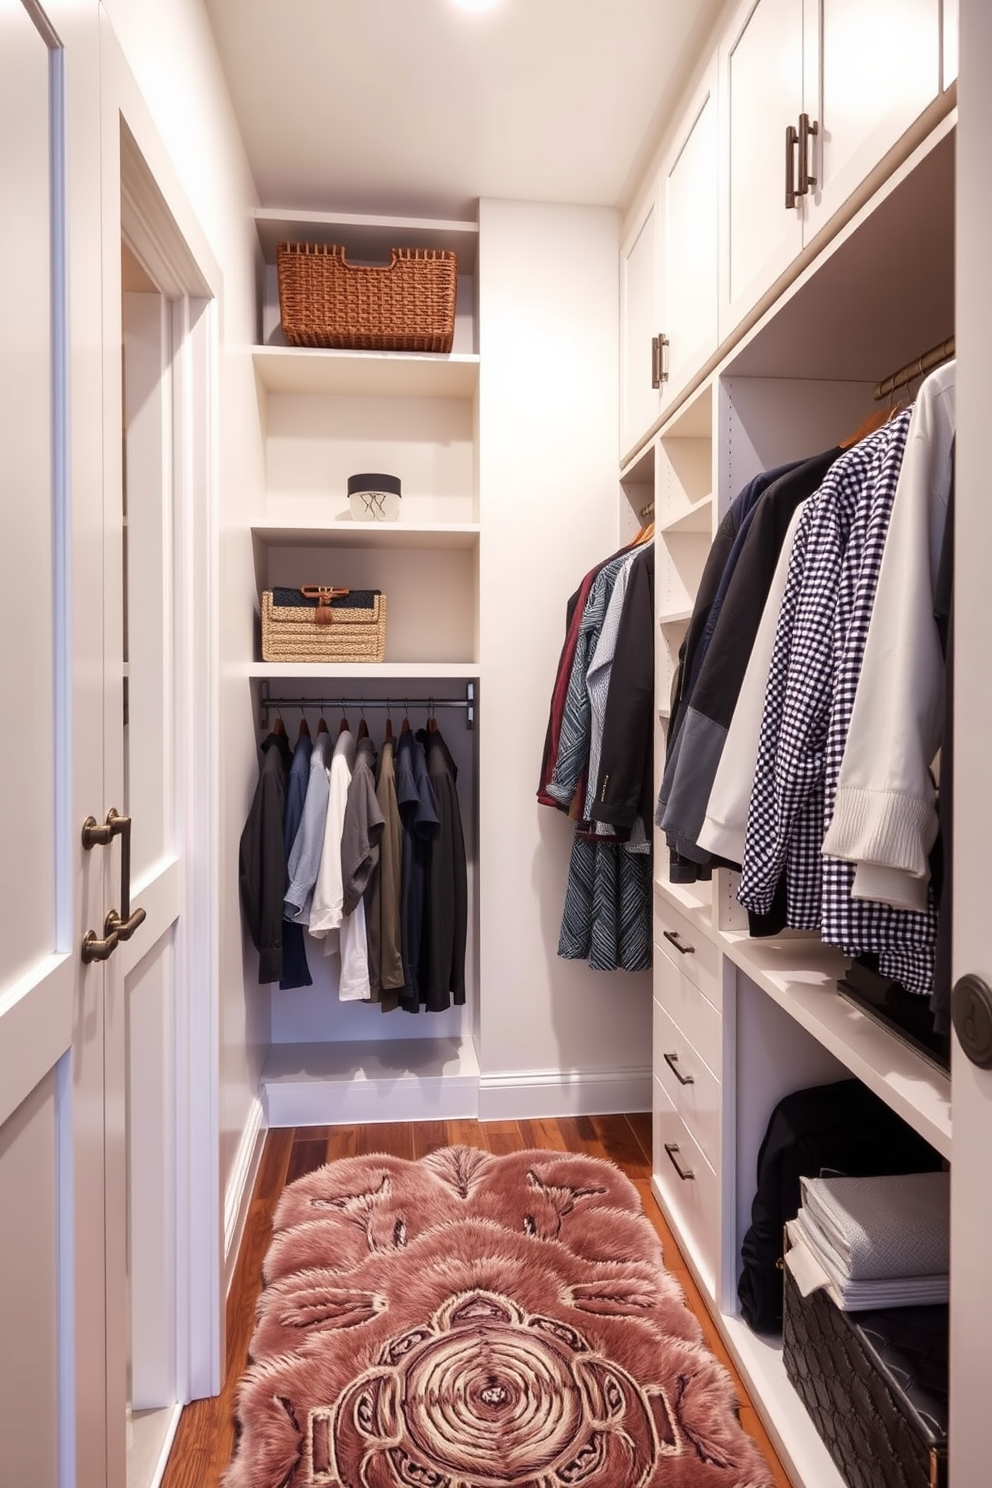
(873, 1242)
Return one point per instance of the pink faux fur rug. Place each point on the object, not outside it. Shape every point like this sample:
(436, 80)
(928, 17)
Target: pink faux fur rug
(470, 1321)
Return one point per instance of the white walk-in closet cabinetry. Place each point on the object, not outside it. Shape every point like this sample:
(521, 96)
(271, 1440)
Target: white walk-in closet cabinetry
(327, 415)
(803, 310)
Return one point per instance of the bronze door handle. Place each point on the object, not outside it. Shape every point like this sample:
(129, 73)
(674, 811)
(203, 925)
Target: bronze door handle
(121, 925)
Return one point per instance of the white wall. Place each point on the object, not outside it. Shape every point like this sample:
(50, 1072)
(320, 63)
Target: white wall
(548, 408)
(170, 49)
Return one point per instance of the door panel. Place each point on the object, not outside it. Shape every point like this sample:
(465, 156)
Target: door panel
(29, 1290)
(50, 764)
(878, 68)
(690, 187)
(639, 402)
(148, 571)
(761, 71)
(29, 605)
(151, 1016)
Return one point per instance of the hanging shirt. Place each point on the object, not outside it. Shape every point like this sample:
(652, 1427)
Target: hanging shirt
(819, 647)
(304, 857)
(418, 812)
(262, 858)
(327, 910)
(447, 886)
(295, 971)
(382, 897)
(885, 816)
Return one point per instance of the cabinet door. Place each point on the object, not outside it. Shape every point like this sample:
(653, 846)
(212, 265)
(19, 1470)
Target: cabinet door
(689, 241)
(761, 65)
(640, 402)
(871, 68)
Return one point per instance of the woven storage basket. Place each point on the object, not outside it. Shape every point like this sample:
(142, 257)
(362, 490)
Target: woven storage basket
(406, 305)
(321, 624)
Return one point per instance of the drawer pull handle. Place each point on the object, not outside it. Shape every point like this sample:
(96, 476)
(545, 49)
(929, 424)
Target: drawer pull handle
(673, 937)
(684, 1173)
(672, 1061)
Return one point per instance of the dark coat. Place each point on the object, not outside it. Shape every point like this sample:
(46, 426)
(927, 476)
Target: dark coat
(262, 858)
(624, 789)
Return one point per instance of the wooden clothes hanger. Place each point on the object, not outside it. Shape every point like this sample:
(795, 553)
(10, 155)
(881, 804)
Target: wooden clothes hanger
(304, 727)
(363, 728)
(279, 727)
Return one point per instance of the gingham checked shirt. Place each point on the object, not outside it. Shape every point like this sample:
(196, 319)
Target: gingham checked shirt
(819, 646)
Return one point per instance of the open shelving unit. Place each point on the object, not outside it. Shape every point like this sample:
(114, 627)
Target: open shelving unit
(326, 415)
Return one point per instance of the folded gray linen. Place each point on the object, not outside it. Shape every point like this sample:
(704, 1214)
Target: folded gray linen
(879, 1228)
(860, 1296)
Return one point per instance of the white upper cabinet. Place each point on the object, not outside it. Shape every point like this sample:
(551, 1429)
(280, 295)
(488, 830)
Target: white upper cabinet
(815, 92)
(640, 398)
(761, 74)
(689, 195)
(870, 69)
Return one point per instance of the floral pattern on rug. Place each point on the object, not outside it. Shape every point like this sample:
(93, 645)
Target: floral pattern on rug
(471, 1321)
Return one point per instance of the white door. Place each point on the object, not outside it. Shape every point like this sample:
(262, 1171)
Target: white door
(871, 68)
(142, 995)
(761, 90)
(53, 1421)
(690, 189)
(640, 399)
(971, 1190)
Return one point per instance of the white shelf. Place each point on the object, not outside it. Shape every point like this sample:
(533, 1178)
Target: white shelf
(411, 1079)
(773, 1395)
(366, 237)
(386, 671)
(408, 535)
(381, 374)
(698, 519)
(759, 1362)
(695, 901)
(675, 617)
(801, 976)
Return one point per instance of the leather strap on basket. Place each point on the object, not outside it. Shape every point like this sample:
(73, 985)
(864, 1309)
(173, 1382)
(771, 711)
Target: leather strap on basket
(323, 614)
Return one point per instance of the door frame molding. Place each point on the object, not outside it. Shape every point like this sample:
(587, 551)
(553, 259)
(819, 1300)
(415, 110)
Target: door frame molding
(146, 207)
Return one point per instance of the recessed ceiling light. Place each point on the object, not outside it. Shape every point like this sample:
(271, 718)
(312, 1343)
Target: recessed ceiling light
(476, 4)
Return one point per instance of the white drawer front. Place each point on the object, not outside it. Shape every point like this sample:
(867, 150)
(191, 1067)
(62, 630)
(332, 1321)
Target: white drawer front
(692, 1088)
(689, 1010)
(689, 949)
(693, 1203)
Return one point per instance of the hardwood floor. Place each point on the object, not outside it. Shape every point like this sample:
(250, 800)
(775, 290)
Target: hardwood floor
(205, 1438)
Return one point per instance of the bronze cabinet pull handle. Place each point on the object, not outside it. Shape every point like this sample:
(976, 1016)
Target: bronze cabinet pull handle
(672, 1061)
(807, 131)
(791, 141)
(672, 936)
(684, 1173)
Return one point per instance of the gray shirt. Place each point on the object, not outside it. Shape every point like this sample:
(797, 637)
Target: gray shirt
(363, 824)
(304, 857)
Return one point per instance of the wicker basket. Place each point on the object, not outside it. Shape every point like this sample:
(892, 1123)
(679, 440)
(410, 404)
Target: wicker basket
(406, 305)
(321, 624)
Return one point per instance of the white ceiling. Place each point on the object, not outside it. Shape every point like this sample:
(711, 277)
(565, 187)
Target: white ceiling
(417, 106)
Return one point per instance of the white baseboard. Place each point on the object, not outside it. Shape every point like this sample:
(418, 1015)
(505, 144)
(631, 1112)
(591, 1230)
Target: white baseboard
(240, 1186)
(429, 1079)
(531, 1094)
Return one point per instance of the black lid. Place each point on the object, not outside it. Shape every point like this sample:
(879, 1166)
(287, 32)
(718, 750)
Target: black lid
(358, 483)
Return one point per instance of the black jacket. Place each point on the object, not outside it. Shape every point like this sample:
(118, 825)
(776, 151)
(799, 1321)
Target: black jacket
(446, 918)
(262, 858)
(624, 789)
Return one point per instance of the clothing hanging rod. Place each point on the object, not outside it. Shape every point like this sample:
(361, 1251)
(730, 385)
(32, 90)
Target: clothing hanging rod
(405, 701)
(919, 368)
